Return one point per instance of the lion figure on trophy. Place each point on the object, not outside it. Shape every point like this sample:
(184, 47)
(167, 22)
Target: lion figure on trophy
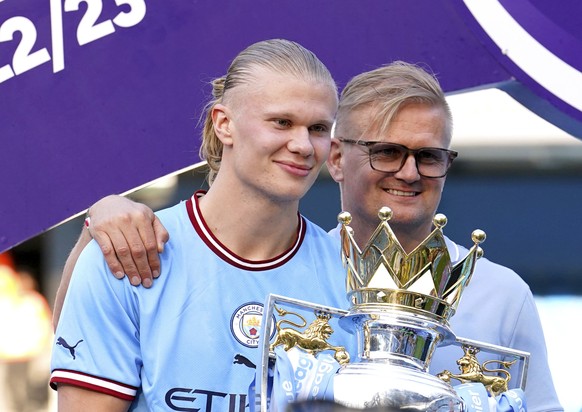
(313, 340)
(473, 371)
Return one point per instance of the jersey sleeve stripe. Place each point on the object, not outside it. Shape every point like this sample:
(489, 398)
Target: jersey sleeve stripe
(106, 386)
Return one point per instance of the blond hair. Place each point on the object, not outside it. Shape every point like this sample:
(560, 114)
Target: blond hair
(278, 55)
(389, 88)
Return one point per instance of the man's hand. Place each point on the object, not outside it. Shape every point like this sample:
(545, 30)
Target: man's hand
(130, 236)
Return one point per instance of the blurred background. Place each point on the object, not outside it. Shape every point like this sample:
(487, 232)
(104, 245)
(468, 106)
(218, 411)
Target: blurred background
(517, 177)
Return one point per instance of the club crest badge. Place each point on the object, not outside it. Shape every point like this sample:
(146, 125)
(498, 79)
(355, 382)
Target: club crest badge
(245, 324)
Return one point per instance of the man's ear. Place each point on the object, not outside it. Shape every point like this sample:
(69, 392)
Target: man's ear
(223, 125)
(335, 161)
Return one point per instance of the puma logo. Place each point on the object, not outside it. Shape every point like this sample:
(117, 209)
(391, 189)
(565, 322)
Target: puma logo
(64, 344)
(242, 360)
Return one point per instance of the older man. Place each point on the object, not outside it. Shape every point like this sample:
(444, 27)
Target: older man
(391, 147)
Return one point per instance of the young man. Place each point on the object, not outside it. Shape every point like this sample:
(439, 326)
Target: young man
(190, 341)
(391, 148)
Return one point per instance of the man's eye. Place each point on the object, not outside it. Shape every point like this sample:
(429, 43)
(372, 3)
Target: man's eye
(386, 152)
(283, 123)
(428, 156)
(319, 128)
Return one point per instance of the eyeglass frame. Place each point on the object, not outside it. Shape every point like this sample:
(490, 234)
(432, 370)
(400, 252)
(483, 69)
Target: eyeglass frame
(452, 155)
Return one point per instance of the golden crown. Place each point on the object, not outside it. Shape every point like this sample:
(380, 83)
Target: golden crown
(424, 281)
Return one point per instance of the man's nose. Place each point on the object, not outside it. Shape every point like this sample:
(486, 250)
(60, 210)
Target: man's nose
(409, 171)
(300, 142)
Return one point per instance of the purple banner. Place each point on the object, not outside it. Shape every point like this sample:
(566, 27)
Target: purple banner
(100, 96)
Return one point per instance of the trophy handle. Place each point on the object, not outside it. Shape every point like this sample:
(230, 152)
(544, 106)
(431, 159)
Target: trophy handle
(267, 359)
(473, 371)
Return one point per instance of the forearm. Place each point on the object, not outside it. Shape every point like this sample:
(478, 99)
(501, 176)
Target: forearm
(83, 240)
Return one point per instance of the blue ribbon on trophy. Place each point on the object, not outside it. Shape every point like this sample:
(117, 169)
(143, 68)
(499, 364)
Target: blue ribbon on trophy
(477, 399)
(400, 307)
(300, 375)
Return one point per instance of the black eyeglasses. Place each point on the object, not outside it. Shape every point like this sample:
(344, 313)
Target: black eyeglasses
(386, 157)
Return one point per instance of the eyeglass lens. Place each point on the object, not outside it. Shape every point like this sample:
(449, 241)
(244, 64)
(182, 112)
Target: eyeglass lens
(390, 158)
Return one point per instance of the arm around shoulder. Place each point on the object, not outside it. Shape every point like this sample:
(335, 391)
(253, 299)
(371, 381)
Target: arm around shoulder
(130, 237)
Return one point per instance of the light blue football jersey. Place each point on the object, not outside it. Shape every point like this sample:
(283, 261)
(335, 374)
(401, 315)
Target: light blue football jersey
(190, 342)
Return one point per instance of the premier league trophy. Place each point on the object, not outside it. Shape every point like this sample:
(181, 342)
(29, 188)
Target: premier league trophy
(400, 309)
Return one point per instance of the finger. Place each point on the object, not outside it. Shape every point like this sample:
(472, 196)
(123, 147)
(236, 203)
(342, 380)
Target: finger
(122, 252)
(148, 263)
(108, 251)
(132, 253)
(162, 235)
